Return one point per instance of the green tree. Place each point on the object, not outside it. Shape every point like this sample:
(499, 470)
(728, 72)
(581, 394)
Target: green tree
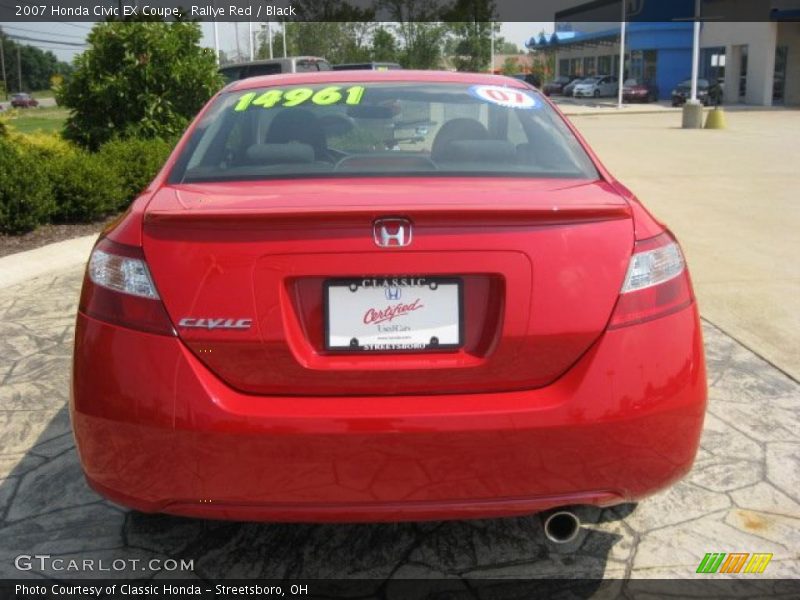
(510, 66)
(420, 29)
(37, 66)
(384, 45)
(503, 46)
(138, 79)
(543, 64)
(333, 29)
(471, 23)
(262, 44)
(339, 42)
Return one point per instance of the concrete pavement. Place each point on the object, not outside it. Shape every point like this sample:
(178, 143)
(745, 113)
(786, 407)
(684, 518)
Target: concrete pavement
(731, 197)
(740, 497)
(15, 268)
(609, 107)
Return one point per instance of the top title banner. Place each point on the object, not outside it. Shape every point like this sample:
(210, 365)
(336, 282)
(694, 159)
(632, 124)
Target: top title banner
(400, 10)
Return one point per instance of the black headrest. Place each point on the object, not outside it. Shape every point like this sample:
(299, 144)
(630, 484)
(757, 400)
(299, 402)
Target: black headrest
(479, 151)
(273, 154)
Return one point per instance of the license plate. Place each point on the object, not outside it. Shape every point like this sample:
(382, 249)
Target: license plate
(391, 314)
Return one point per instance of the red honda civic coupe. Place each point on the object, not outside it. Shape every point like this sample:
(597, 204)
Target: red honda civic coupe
(384, 296)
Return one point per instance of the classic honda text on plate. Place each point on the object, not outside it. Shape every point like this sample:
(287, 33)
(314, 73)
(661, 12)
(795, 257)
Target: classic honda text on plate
(382, 296)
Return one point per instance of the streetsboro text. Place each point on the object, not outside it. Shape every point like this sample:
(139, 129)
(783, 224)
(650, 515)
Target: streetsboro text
(150, 589)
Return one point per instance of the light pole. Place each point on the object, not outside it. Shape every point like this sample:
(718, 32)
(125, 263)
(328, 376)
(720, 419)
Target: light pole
(269, 38)
(692, 109)
(216, 40)
(491, 49)
(238, 45)
(621, 74)
(695, 50)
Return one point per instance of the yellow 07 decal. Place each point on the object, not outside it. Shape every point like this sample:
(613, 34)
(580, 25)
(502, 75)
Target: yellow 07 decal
(300, 95)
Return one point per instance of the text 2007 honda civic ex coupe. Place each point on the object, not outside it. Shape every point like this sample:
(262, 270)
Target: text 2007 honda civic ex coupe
(384, 296)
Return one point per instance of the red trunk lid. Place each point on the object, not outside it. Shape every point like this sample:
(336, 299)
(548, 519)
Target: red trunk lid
(542, 263)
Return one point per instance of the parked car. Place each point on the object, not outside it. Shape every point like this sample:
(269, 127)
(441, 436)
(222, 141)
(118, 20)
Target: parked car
(274, 66)
(569, 89)
(529, 78)
(637, 90)
(369, 66)
(595, 87)
(707, 92)
(556, 86)
(314, 315)
(24, 101)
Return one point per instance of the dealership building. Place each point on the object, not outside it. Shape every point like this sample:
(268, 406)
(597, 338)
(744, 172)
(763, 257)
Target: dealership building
(757, 62)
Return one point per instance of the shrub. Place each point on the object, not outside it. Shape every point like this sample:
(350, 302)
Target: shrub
(135, 162)
(138, 79)
(45, 178)
(46, 146)
(25, 193)
(84, 189)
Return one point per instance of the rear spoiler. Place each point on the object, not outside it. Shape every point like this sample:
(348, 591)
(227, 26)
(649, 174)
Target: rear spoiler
(441, 214)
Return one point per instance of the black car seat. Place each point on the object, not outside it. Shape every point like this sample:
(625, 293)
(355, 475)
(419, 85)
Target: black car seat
(456, 130)
(298, 125)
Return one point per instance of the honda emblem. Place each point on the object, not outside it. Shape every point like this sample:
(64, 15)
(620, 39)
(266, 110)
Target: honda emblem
(390, 233)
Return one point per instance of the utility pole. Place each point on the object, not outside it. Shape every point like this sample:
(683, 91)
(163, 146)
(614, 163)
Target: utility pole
(285, 52)
(19, 70)
(3, 63)
(269, 37)
(250, 38)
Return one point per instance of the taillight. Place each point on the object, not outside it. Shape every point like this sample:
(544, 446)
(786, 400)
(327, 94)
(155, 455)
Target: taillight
(657, 283)
(118, 289)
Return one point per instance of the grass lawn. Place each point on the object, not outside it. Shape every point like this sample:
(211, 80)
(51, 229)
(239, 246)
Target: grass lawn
(28, 120)
(43, 94)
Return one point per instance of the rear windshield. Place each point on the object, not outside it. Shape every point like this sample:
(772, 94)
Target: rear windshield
(353, 129)
(307, 65)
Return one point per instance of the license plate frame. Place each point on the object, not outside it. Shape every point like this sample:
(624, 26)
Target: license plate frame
(453, 286)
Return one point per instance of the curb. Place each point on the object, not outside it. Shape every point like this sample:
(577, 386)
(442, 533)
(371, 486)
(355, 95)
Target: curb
(59, 256)
(616, 112)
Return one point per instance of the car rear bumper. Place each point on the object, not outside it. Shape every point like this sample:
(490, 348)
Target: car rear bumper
(157, 431)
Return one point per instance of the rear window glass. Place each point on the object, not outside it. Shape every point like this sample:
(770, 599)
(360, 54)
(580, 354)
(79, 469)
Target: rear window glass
(353, 129)
(266, 69)
(310, 65)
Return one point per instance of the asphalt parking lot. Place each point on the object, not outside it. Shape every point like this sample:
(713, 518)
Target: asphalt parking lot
(742, 495)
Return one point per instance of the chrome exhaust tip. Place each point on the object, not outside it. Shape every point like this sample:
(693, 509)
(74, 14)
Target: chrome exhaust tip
(562, 526)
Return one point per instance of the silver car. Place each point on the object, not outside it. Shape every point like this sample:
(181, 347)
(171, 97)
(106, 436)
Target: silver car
(595, 87)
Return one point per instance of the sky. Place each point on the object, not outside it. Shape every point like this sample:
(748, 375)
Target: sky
(59, 36)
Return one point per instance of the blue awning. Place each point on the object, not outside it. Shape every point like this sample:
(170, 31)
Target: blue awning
(571, 39)
(784, 15)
